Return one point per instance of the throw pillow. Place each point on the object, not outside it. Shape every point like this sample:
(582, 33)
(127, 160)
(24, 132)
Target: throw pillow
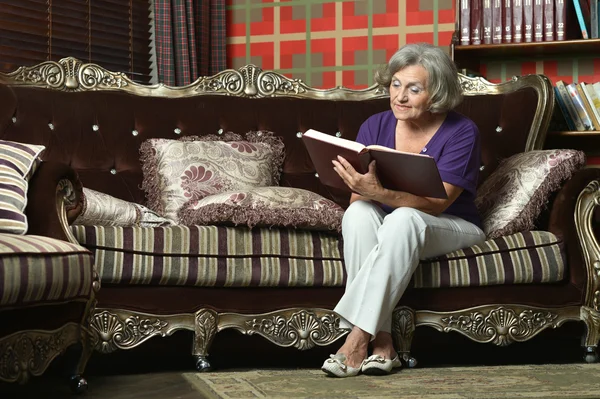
(100, 209)
(265, 206)
(189, 169)
(512, 197)
(18, 162)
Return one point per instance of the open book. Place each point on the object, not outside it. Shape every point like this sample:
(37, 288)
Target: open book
(400, 171)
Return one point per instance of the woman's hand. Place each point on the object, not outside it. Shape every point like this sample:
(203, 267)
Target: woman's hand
(367, 185)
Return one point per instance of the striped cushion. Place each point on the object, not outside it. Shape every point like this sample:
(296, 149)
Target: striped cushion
(211, 256)
(41, 269)
(17, 164)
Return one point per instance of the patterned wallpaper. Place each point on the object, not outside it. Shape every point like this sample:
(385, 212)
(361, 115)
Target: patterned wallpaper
(330, 43)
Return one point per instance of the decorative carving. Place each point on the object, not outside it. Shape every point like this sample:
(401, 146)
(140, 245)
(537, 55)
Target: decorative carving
(403, 327)
(588, 200)
(591, 318)
(205, 329)
(126, 330)
(502, 326)
(30, 352)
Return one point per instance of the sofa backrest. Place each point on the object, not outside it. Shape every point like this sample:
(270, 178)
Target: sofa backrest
(95, 120)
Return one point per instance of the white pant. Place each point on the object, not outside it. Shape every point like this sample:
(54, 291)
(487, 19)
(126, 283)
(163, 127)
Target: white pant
(382, 251)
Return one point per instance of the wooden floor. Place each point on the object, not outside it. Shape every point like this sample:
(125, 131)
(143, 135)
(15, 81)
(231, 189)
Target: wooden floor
(154, 370)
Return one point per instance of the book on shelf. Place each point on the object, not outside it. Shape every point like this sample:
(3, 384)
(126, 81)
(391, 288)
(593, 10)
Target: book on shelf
(565, 113)
(549, 20)
(579, 106)
(517, 21)
(507, 36)
(465, 19)
(397, 170)
(569, 105)
(476, 20)
(487, 22)
(560, 18)
(538, 20)
(582, 11)
(497, 21)
(594, 19)
(528, 21)
(588, 105)
(593, 100)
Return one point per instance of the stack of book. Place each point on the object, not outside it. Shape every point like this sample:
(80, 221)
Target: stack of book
(518, 21)
(579, 103)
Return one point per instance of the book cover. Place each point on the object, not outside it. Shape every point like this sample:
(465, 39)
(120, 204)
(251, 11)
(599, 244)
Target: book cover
(465, 20)
(594, 19)
(487, 22)
(549, 20)
(538, 20)
(588, 105)
(563, 110)
(581, 13)
(560, 18)
(578, 103)
(593, 99)
(497, 21)
(508, 21)
(566, 98)
(476, 20)
(517, 21)
(397, 170)
(528, 21)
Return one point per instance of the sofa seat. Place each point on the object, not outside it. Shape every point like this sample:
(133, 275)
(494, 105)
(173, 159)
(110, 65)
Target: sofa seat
(211, 256)
(37, 269)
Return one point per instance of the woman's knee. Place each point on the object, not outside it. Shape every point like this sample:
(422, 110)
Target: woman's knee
(360, 214)
(404, 218)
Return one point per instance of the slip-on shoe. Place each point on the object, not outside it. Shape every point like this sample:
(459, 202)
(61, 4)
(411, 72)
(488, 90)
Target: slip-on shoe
(336, 366)
(378, 365)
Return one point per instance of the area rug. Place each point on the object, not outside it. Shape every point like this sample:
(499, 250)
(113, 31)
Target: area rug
(480, 382)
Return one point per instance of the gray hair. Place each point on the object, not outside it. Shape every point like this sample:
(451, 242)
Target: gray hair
(443, 85)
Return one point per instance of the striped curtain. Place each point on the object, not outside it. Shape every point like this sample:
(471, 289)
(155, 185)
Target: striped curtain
(190, 39)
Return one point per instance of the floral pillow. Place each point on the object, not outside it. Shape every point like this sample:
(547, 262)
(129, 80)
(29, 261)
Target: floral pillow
(100, 209)
(265, 206)
(512, 197)
(189, 169)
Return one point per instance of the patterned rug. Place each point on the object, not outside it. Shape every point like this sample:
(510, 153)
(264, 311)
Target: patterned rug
(485, 382)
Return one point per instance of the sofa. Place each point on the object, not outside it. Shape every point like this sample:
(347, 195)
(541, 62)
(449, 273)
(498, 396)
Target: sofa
(538, 270)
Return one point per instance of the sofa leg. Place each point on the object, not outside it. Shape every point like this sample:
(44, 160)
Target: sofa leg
(590, 339)
(403, 328)
(205, 329)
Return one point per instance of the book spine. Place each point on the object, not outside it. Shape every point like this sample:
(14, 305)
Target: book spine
(465, 19)
(548, 20)
(566, 97)
(563, 109)
(581, 19)
(578, 103)
(487, 21)
(508, 21)
(587, 105)
(538, 21)
(476, 20)
(594, 19)
(593, 100)
(560, 18)
(517, 14)
(528, 20)
(496, 21)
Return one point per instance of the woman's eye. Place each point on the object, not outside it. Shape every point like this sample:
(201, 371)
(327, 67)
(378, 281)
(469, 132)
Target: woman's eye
(395, 83)
(415, 90)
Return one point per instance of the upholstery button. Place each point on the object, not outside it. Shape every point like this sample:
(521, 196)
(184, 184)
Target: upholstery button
(14, 119)
(338, 134)
(95, 128)
(498, 129)
(134, 132)
(51, 126)
(220, 131)
(482, 167)
(299, 135)
(259, 133)
(113, 171)
(177, 130)
(317, 175)
(424, 149)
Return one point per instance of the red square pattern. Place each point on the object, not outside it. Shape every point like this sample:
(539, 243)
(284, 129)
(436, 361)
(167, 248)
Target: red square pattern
(287, 49)
(327, 80)
(444, 38)
(288, 23)
(349, 80)
(235, 51)
(349, 46)
(419, 37)
(235, 28)
(447, 16)
(326, 47)
(327, 21)
(388, 43)
(266, 52)
(389, 18)
(267, 25)
(351, 21)
(414, 16)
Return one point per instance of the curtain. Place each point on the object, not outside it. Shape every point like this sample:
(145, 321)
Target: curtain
(190, 39)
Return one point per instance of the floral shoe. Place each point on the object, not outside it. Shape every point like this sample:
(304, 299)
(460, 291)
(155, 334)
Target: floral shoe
(336, 366)
(378, 365)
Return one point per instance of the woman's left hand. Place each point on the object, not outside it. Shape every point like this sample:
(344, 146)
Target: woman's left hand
(367, 185)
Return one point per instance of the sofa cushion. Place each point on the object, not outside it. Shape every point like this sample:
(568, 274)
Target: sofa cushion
(36, 269)
(177, 171)
(18, 163)
(513, 196)
(100, 209)
(240, 257)
(265, 206)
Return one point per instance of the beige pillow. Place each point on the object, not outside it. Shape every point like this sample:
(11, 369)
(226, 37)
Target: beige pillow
(265, 206)
(189, 169)
(512, 197)
(100, 209)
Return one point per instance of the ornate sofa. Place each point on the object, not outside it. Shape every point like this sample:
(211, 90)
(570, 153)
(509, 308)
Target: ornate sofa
(282, 283)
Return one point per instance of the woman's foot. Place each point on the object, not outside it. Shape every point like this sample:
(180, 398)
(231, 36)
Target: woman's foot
(348, 360)
(384, 358)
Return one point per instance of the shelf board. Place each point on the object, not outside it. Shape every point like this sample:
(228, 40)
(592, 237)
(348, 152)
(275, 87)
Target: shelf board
(588, 133)
(554, 48)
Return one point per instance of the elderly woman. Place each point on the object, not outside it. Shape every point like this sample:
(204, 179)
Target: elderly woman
(387, 232)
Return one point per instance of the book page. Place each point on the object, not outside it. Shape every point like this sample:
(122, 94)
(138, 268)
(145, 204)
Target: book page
(388, 149)
(349, 144)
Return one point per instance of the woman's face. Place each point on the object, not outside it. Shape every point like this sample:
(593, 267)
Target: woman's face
(409, 97)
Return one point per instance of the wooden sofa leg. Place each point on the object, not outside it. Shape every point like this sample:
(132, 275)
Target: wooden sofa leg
(591, 318)
(403, 328)
(205, 329)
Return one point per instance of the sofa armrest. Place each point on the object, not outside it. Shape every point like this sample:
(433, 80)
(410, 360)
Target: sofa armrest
(572, 221)
(54, 200)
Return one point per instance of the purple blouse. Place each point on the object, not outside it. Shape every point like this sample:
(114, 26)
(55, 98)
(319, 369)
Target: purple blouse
(455, 147)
